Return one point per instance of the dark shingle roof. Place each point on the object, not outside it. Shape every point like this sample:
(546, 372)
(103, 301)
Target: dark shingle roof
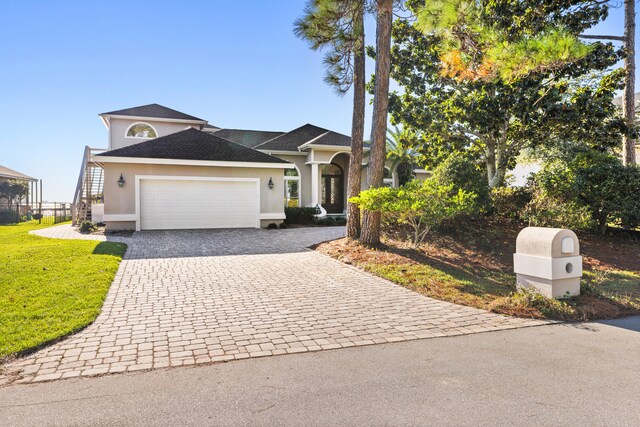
(290, 141)
(248, 138)
(153, 110)
(333, 138)
(192, 144)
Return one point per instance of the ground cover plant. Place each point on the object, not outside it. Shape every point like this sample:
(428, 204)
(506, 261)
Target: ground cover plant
(50, 288)
(470, 263)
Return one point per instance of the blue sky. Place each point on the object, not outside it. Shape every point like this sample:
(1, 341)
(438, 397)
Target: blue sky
(236, 64)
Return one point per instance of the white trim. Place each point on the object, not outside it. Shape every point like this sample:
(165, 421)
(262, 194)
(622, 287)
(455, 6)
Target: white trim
(295, 178)
(144, 160)
(315, 184)
(153, 119)
(139, 178)
(421, 171)
(331, 147)
(275, 215)
(281, 152)
(120, 217)
(126, 132)
(300, 147)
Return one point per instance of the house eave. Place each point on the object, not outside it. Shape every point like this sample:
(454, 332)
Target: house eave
(184, 162)
(330, 147)
(150, 119)
(24, 178)
(281, 152)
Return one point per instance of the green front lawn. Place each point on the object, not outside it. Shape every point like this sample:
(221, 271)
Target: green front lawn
(50, 288)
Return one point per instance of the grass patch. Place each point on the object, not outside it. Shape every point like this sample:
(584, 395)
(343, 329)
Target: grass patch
(50, 288)
(473, 265)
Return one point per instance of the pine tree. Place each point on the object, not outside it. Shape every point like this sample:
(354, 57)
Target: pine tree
(375, 174)
(338, 25)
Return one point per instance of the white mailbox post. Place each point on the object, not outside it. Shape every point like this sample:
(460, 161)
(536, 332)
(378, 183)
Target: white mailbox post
(548, 259)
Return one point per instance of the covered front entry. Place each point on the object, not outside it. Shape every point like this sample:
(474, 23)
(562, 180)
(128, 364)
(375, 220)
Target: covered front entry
(332, 190)
(193, 203)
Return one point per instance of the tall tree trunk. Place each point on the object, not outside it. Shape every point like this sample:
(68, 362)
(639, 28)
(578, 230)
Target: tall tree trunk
(628, 106)
(490, 159)
(357, 128)
(375, 174)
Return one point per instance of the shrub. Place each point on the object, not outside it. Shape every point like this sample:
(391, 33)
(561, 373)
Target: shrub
(283, 225)
(600, 183)
(510, 202)
(87, 227)
(300, 215)
(272, 226)
(547, 210)
(462, 173)
(325, 220)
(8, 216)
(419, 204)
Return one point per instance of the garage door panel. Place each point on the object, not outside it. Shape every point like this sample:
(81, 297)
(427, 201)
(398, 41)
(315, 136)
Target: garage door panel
(184, 204)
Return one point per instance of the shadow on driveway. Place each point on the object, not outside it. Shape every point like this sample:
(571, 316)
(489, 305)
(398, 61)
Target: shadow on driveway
(224, 242)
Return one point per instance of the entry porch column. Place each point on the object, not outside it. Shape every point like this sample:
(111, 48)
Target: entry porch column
(315, 184)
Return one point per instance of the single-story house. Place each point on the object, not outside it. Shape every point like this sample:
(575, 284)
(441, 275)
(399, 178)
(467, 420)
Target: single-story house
(7, 174)
(164, 169)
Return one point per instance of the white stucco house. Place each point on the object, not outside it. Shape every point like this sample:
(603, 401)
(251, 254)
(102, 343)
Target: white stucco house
(164, 169)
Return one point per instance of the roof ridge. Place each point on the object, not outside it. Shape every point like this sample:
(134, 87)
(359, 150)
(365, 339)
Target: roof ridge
(313, 139)
(136, 111)
(286, 133)
(153, 148)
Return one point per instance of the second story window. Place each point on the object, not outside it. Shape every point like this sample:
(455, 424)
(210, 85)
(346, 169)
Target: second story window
(141, 130)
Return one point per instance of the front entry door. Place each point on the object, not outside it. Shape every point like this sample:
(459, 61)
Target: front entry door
(332, 189)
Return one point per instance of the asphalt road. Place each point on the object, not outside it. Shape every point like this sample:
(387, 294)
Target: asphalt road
(583, 374)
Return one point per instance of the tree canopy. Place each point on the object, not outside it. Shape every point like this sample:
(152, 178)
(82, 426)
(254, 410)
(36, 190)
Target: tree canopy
(493, 120)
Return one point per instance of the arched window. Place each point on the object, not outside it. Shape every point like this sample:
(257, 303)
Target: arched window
(141, 130)
(291, 188)
(388, 177)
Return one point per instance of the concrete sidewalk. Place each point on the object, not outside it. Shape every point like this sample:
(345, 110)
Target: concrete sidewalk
(567, 374)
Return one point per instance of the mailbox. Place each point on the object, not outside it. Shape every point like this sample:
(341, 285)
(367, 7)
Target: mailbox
(548, 259)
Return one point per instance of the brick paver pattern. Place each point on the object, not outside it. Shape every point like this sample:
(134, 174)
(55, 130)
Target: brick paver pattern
(191, 297)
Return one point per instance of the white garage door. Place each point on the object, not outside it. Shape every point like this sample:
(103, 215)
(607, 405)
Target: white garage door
(174, 204)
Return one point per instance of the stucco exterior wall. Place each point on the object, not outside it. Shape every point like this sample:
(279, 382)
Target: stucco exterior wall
(122, 201)
(119, 127)
(325, 156)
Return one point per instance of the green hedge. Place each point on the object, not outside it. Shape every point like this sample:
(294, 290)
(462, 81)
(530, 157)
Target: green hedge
(299, 215)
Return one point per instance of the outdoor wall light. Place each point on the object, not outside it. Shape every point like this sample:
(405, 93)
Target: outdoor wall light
(121, 181)
(270, 184)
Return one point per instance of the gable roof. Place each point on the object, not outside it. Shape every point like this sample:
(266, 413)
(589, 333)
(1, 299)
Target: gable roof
(192, 144)
(290, 141)
(5, 172)
(153, 111)
(248, 138)
(331, 138)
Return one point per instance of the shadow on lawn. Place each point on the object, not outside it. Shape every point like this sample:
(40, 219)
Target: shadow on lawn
(466, 275)
(110, 248)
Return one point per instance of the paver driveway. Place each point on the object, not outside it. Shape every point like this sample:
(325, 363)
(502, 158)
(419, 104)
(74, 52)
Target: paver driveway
(187, 297)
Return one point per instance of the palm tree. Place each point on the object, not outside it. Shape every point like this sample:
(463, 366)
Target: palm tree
(401, 152)
(339, 25)
(370, 233)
